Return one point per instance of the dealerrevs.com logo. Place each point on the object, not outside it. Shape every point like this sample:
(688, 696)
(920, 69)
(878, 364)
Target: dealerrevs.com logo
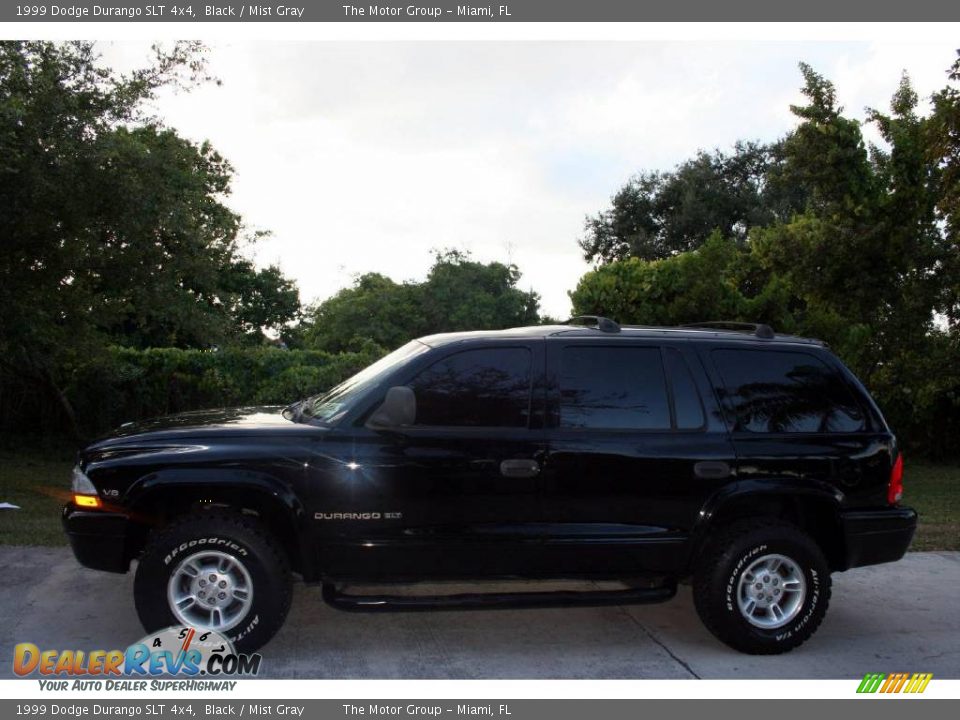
(178, 652)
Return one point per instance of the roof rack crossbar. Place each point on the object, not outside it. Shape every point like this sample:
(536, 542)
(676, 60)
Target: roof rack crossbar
(758, 329)
(601, 323)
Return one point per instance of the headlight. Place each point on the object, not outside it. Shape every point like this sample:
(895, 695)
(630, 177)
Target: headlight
(84, 493)
(80, 483)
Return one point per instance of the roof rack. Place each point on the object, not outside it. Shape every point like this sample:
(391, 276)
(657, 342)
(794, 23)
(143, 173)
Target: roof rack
(758, 329)
(601, 323)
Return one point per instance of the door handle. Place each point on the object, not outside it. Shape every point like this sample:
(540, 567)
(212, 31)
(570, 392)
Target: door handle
(520, 468)
(711, 470)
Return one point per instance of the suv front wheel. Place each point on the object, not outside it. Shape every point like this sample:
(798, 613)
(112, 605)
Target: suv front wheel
(215, 570)
(762, 586)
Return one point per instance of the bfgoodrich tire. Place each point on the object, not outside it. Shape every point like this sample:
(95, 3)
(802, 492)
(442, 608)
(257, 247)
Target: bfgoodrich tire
(762, 586)
(215, 570)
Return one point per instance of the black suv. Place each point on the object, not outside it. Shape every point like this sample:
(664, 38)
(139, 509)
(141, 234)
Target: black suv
(755, 463)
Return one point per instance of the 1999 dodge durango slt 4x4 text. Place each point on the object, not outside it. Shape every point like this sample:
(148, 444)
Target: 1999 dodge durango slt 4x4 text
(754, 463)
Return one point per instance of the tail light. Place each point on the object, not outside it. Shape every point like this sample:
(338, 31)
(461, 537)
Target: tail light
(895, 488)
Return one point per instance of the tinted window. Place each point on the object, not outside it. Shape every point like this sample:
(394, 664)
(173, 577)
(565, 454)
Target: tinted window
(786, 392)
(475, 388)
(613, 387)
(686, 398)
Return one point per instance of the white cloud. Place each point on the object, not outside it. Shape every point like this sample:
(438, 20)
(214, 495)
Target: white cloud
(363, 156)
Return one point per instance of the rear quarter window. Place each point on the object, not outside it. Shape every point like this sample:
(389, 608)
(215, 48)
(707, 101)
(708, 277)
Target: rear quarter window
(772, 391)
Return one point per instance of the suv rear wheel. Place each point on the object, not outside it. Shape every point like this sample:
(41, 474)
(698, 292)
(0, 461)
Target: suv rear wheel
(215, 570)
(762, 586)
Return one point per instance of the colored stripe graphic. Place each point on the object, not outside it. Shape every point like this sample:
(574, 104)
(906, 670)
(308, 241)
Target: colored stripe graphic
(894, 683)
(923, 679)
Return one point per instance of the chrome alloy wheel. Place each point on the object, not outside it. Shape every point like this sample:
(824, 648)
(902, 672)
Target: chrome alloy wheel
(210, 590)
(771, 591)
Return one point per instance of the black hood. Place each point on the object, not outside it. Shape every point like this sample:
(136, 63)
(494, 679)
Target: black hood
(205, 422)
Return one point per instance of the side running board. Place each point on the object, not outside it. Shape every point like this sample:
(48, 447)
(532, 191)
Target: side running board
(475, 601)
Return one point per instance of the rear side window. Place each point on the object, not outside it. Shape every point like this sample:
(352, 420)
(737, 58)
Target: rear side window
(475, 388)
(613, 388)
(786, 392)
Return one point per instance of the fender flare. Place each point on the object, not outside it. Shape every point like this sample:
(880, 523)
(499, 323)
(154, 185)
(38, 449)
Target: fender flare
(277, 496)
(779, 488)
(167, 479)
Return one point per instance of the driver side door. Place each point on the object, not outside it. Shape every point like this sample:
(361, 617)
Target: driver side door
(459, 488)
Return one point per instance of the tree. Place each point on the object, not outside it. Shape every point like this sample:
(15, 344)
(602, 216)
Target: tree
(861, 250)
(656, 215)
(114, 228)
(826, 154)
(458, 294)
(375, 309)
(864, 260)
(260, 299)
(943, 152)
(463, 294)
(676, 290)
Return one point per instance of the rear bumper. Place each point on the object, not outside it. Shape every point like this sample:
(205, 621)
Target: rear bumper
(98, 539)
(877, 536)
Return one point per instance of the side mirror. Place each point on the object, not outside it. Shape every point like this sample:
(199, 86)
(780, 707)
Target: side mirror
(399, 408)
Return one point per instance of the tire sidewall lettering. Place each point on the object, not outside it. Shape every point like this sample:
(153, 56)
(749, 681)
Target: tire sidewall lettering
(812, 602)
(730, 589)
(251, 626)
(219, 542)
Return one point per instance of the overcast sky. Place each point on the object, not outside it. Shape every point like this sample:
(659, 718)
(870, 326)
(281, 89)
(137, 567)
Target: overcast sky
(363, 157)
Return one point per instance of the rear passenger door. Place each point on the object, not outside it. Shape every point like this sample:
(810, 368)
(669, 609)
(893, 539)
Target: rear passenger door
(636, 443)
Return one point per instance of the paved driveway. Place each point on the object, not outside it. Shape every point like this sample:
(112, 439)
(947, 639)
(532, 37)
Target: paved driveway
(900, 617)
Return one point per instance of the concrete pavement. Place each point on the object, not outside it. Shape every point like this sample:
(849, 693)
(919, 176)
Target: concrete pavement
(899, 617)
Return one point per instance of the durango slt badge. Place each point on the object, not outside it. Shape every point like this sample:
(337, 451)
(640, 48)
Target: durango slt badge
(356, 516)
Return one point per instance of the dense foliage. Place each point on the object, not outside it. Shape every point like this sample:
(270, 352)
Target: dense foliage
(113, 228)
(827, 237)
(458, 294)
(658, 214)
(124, 384)
(125, 294)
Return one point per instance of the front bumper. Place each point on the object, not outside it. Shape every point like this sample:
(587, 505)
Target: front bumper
(877, 536)
(99, 539)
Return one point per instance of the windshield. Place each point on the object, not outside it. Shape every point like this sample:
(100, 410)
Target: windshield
(330, 406)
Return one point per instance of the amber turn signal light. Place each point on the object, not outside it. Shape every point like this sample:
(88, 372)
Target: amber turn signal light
(87, 501)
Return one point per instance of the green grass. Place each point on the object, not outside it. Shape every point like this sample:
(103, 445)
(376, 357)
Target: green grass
(38, 482)
(934, 491)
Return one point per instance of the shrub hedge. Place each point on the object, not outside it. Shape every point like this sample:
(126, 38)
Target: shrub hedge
(124, 384)
(919, 393)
